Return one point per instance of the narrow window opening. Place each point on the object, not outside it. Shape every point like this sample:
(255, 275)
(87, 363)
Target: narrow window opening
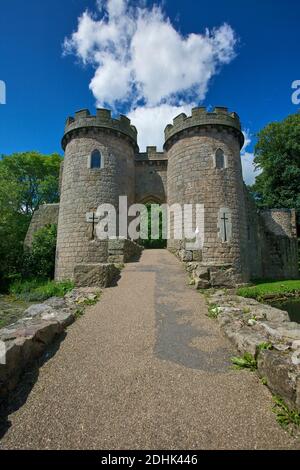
(96, 159)
(220, 159)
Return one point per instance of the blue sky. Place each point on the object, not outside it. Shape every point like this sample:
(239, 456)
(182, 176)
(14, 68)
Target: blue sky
(44, 87)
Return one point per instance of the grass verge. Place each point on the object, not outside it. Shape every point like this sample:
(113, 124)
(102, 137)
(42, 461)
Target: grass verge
(37, 290)
(264, 290)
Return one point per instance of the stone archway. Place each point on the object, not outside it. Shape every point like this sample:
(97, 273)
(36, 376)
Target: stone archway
(150, 200)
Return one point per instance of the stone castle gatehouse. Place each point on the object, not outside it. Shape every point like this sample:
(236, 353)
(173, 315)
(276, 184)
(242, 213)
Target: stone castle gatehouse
(200, 164)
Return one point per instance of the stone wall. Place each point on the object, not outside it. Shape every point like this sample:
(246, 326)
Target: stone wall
(281, 222)
(151, 176)
(251, 326)
(44, 215)
(123, 251)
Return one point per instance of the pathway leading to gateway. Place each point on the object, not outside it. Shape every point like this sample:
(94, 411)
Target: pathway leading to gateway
(145, 368)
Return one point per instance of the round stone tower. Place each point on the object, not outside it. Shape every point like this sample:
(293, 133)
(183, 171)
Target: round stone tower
(98, 168)
(204, 167)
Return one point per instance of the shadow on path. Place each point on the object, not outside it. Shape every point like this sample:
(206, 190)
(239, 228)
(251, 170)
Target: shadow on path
(19, 395)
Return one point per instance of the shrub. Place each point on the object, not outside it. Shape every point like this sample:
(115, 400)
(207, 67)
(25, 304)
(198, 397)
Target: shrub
(39, 259)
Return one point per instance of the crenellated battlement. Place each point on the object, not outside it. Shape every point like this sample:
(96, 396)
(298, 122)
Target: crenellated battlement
(103, 119)
(151, 154)
(200, 117)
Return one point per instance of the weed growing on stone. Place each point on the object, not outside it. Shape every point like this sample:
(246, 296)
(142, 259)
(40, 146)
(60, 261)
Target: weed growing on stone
(246, 310)
(88, 302)
(213, 311)
(265, 346)
(79, 312)
(120, 266)
(264, 381)
(247, 361)
(285, 417)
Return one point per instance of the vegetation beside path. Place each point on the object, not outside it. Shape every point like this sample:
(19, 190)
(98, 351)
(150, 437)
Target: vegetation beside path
(24, 293)
(271, 290)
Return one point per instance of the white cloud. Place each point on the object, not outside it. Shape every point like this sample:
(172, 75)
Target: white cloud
(151, 122)
(249, 171)
(139, 57)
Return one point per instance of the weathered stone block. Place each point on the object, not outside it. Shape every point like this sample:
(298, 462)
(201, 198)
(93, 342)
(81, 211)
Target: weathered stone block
(282, 376)
(201, 283)
(100, 275)
(202, 272)
(185, 255)
(222, 277)
(245, 339)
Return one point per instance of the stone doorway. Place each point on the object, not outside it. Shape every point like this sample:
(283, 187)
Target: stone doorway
(153, 204)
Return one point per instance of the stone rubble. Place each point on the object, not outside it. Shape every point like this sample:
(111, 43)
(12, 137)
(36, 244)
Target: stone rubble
(26, 340)
(248, 324)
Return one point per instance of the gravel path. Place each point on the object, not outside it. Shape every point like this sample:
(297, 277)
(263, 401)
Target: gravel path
(145, 368)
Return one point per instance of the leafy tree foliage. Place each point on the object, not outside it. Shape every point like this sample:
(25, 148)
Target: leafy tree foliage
(153, 242)
(277, 154)
(39, 260)
(26, 181)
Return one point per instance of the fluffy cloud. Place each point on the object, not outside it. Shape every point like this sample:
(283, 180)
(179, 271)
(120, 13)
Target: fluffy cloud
(249, 171)
(141, 60)
(151, 122)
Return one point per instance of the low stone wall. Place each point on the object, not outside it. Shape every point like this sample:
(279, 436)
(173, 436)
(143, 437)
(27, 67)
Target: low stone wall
(248, 324)
(27, 339)
(123, 250)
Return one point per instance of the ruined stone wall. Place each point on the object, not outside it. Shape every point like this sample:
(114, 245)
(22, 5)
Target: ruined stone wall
(44, 215)
(272, 245)
(194, 179)
(151, 176)
(255, 238)
(84, 189)
(280, 221)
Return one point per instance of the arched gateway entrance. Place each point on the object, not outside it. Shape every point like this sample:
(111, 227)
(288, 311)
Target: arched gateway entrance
(153, 204)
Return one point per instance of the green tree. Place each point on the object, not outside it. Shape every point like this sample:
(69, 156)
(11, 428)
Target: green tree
(151, 242)
(26, 181)
(277, 154)
(36, 177)
(39, 259)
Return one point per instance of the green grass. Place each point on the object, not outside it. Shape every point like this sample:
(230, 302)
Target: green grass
(36, 290)
(262, 290)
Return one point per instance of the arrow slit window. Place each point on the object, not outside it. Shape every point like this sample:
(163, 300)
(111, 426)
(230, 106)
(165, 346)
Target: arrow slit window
(220, 159)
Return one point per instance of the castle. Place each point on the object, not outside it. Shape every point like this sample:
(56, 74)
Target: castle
(200, 164)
